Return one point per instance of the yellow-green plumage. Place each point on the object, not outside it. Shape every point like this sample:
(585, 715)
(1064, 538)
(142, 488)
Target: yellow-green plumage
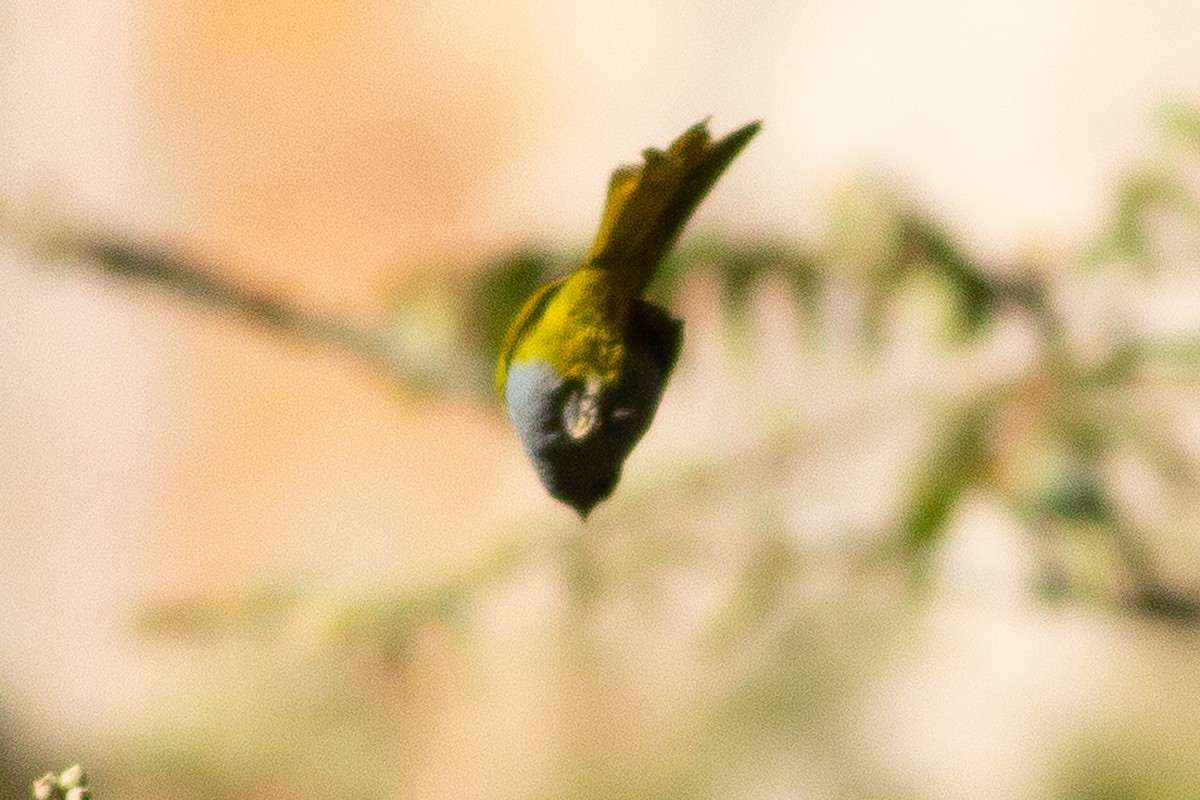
(587, 329)
(576, 326)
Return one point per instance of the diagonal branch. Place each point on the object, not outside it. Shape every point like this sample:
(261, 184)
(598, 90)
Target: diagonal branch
(402, 360)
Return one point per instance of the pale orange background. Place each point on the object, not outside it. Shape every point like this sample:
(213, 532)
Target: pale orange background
(328, 149)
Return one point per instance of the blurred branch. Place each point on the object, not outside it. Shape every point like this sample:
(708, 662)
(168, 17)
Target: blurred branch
(163, 268)
(387, 621)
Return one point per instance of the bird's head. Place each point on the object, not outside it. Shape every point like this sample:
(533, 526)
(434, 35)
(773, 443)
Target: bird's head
(579, 431)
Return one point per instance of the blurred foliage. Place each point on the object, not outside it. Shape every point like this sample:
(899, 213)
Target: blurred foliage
(1156, 199)
(954, 466)
(16, 763)
(1040, 442)
(1108, 766)
(70, 784)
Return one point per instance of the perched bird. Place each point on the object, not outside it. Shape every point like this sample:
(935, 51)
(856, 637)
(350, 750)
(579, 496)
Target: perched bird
(585, 362)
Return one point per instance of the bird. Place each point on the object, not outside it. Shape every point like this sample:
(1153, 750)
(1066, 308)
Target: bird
(585, 361)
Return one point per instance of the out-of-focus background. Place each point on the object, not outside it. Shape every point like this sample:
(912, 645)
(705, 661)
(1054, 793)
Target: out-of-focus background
(916, 515)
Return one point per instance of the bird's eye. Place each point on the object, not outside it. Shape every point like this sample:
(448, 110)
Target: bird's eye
(581, 412)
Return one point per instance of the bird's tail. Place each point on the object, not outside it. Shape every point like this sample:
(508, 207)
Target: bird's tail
(649, 204)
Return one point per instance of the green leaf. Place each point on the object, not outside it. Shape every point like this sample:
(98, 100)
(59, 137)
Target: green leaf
(955, 464)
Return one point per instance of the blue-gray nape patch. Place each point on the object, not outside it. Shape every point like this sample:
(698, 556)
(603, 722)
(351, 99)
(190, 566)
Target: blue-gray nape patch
(533, 393)
(580, 465)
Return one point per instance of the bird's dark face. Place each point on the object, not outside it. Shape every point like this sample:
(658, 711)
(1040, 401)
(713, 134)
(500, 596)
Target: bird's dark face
(578, 433)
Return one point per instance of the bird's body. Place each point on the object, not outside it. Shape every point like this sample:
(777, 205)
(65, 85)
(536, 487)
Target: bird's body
(578, 326)
(586, 360)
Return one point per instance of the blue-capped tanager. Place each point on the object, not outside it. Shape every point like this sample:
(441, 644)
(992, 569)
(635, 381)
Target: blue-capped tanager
(585, 362)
